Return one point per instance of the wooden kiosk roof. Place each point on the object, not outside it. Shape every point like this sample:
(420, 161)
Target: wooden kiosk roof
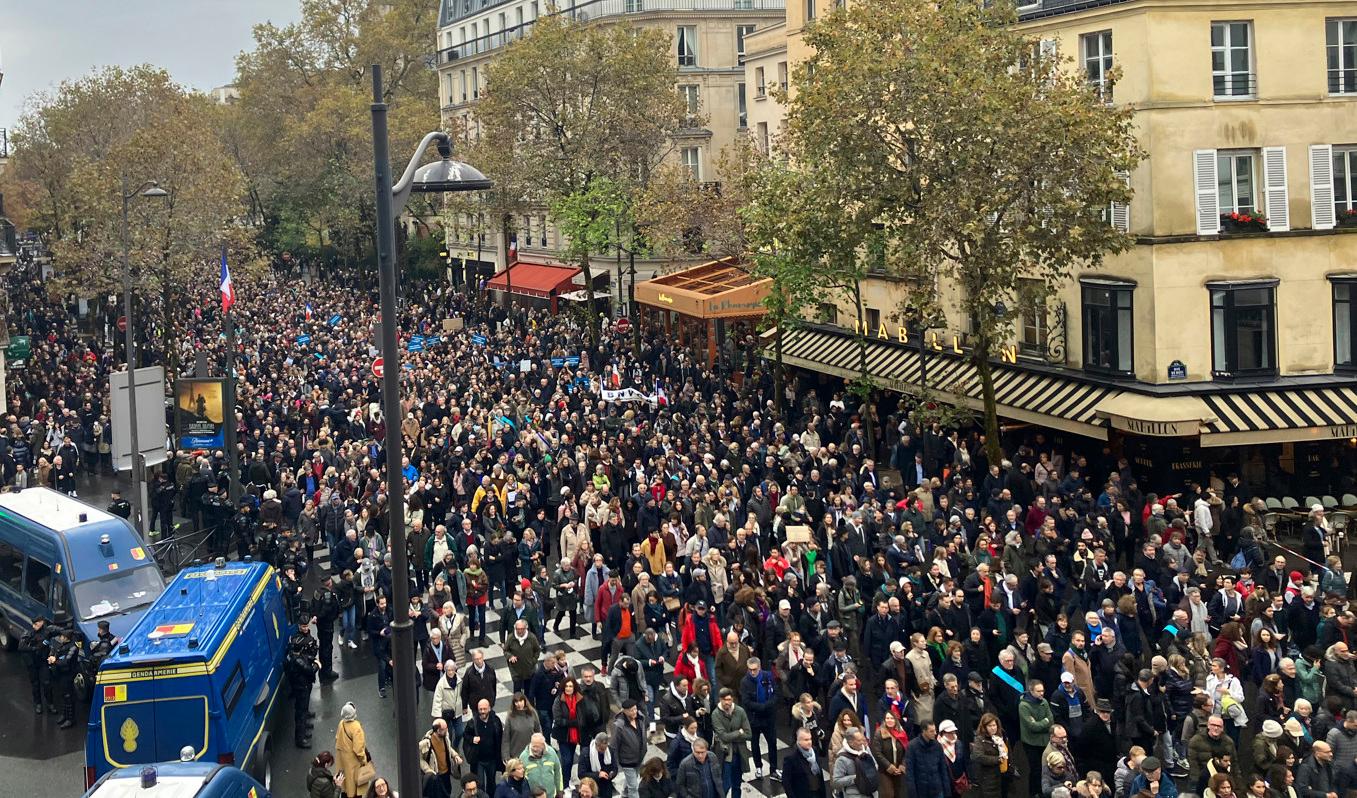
(716, 290)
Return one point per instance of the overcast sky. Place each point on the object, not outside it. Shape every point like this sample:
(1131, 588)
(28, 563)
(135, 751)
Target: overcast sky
(43, 42)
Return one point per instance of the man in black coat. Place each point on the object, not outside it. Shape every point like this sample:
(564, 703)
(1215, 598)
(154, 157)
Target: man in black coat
(484, 741)
(1096, 746)
(803, 773)
(479, 682)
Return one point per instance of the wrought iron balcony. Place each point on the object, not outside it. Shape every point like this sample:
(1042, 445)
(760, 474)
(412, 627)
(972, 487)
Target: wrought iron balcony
(600, 9)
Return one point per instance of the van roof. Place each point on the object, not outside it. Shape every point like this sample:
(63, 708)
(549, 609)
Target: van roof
(198, 612)
(52, 509)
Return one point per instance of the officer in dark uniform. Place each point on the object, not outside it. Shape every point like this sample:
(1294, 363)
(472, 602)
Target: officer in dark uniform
(301, 666)
(243, 527)
(164, 493)
(292, 592)
(101, 647)
(119, 506)
(35, 647)
(325, 607)
(64, 659)
(216, 510)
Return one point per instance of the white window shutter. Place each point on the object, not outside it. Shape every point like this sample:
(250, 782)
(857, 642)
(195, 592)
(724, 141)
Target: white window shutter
(1321, 187)
(1121, 211)
(1274, 178)
(1049, 48)
(1208, 204)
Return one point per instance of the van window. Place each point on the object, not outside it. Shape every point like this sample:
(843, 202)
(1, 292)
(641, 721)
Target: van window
(230, 692)
(11, 566)
(61, 598)
(37, 581)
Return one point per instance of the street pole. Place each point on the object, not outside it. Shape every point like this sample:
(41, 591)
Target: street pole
(402, 642)
(229, 401)
(130, 350)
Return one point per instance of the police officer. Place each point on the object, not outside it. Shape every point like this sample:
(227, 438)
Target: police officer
(244, 528)
(34, 646)
(325, 606)
(64, 659)
(292, 591)
(101, 648)
(216, 510)
(119, 506)
(301, 666)
(162, 504)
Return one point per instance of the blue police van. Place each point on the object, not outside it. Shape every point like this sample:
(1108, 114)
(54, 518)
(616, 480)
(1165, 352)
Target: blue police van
(177, 780)
(66, 561)
(201, 669)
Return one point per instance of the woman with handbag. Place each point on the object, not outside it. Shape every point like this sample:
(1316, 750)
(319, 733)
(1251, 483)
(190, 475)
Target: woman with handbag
(992, 756)
(355, 763)
(957, 755)
(888, 746)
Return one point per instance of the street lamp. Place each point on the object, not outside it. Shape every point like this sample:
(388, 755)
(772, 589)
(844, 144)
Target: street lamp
(150, 189)
(443, 175)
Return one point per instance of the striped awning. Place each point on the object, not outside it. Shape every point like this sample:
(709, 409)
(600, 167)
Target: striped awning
(1281, 415)
(1022, 395)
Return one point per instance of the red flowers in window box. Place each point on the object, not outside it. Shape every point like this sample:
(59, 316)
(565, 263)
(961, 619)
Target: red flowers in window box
(1237, 222)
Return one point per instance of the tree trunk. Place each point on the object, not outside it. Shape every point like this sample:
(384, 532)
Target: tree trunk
(865, 396)
(982, 365)
(590, 315)
(779, 375)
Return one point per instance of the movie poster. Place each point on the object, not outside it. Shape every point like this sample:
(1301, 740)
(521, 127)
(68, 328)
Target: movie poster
(201, 411)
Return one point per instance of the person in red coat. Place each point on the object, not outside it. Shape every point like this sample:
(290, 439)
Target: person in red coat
(611, 593)
(701, 635)
(690, 666)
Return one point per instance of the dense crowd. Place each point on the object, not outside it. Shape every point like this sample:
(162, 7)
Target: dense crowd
(1036, 625)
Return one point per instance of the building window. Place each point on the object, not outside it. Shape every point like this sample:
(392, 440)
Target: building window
(692, 160)
(1232, 59)
(810, 10)
(1237, 181)
(1033, 321)
(1108, 327)
(692, 99)
(1342, 46)
(782, 74)
(1242, 330)
(763, 137)
(687, 45)
(1344, 319)
(536, 9)
(827, 313)
(475, 84)
(518, 20)
(634, 6)
(1097, 52)
(873, 320)
(741, 31)
(464, 85)
(744, 5)
(760, 85)
(743, 118)
(1344, 181)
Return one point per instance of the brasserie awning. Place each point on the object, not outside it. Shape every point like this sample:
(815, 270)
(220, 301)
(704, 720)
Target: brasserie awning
(542, 280)
(1281, 415)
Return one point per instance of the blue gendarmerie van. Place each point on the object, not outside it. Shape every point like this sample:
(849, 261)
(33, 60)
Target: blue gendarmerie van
(186, 779)
(202, 669)
(67, 561)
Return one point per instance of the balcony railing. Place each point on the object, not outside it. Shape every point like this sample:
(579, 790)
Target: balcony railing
(1235, 86)
(1343, 81)
(596, 9)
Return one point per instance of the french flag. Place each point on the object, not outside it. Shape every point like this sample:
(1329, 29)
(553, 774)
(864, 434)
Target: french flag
(307, 312)
(228, 291)
(513, 249)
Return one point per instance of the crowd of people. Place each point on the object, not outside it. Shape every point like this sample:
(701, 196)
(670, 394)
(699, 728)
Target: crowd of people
(951, 626)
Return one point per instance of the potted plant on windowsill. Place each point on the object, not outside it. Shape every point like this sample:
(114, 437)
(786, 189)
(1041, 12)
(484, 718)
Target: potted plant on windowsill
(1243, 223)
(1348, 218)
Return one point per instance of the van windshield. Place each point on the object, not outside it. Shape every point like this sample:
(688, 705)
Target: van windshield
(118, 592)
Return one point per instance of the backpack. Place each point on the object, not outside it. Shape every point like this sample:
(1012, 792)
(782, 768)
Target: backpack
(1238, 561)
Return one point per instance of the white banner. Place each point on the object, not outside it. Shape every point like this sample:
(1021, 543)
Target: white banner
(628, 395)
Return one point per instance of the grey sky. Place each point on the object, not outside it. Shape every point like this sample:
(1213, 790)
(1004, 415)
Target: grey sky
(44, 42)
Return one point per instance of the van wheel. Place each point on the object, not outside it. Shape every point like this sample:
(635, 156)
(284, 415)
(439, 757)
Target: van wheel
(7, 640)
(263, 764)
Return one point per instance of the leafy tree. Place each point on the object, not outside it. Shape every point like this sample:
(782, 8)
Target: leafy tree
(806, 237)
(300, 132)
(78, 149)
(683, 217)
(578, 105)
(977, 153)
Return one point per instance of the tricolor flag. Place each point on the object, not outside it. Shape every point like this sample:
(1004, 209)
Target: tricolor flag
(513, 249)
(660, 397)
(228, 291)
(307, 312)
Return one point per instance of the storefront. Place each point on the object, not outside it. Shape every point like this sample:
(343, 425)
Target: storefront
(542, 282)
(715, 302)
(1294, 438)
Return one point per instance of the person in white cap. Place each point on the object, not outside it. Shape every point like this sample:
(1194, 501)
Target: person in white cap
(1265, 746)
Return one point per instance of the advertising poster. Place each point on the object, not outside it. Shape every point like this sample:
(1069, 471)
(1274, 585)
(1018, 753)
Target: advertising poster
(201, 411)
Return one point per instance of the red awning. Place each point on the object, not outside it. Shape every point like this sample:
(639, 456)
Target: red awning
(534, 279)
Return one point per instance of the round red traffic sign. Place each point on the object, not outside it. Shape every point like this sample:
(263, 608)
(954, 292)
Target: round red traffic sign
(378, 368)
(623, 324)
(122, 324)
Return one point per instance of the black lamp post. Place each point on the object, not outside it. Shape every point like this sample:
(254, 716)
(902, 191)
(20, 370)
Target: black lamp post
(443, 175)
